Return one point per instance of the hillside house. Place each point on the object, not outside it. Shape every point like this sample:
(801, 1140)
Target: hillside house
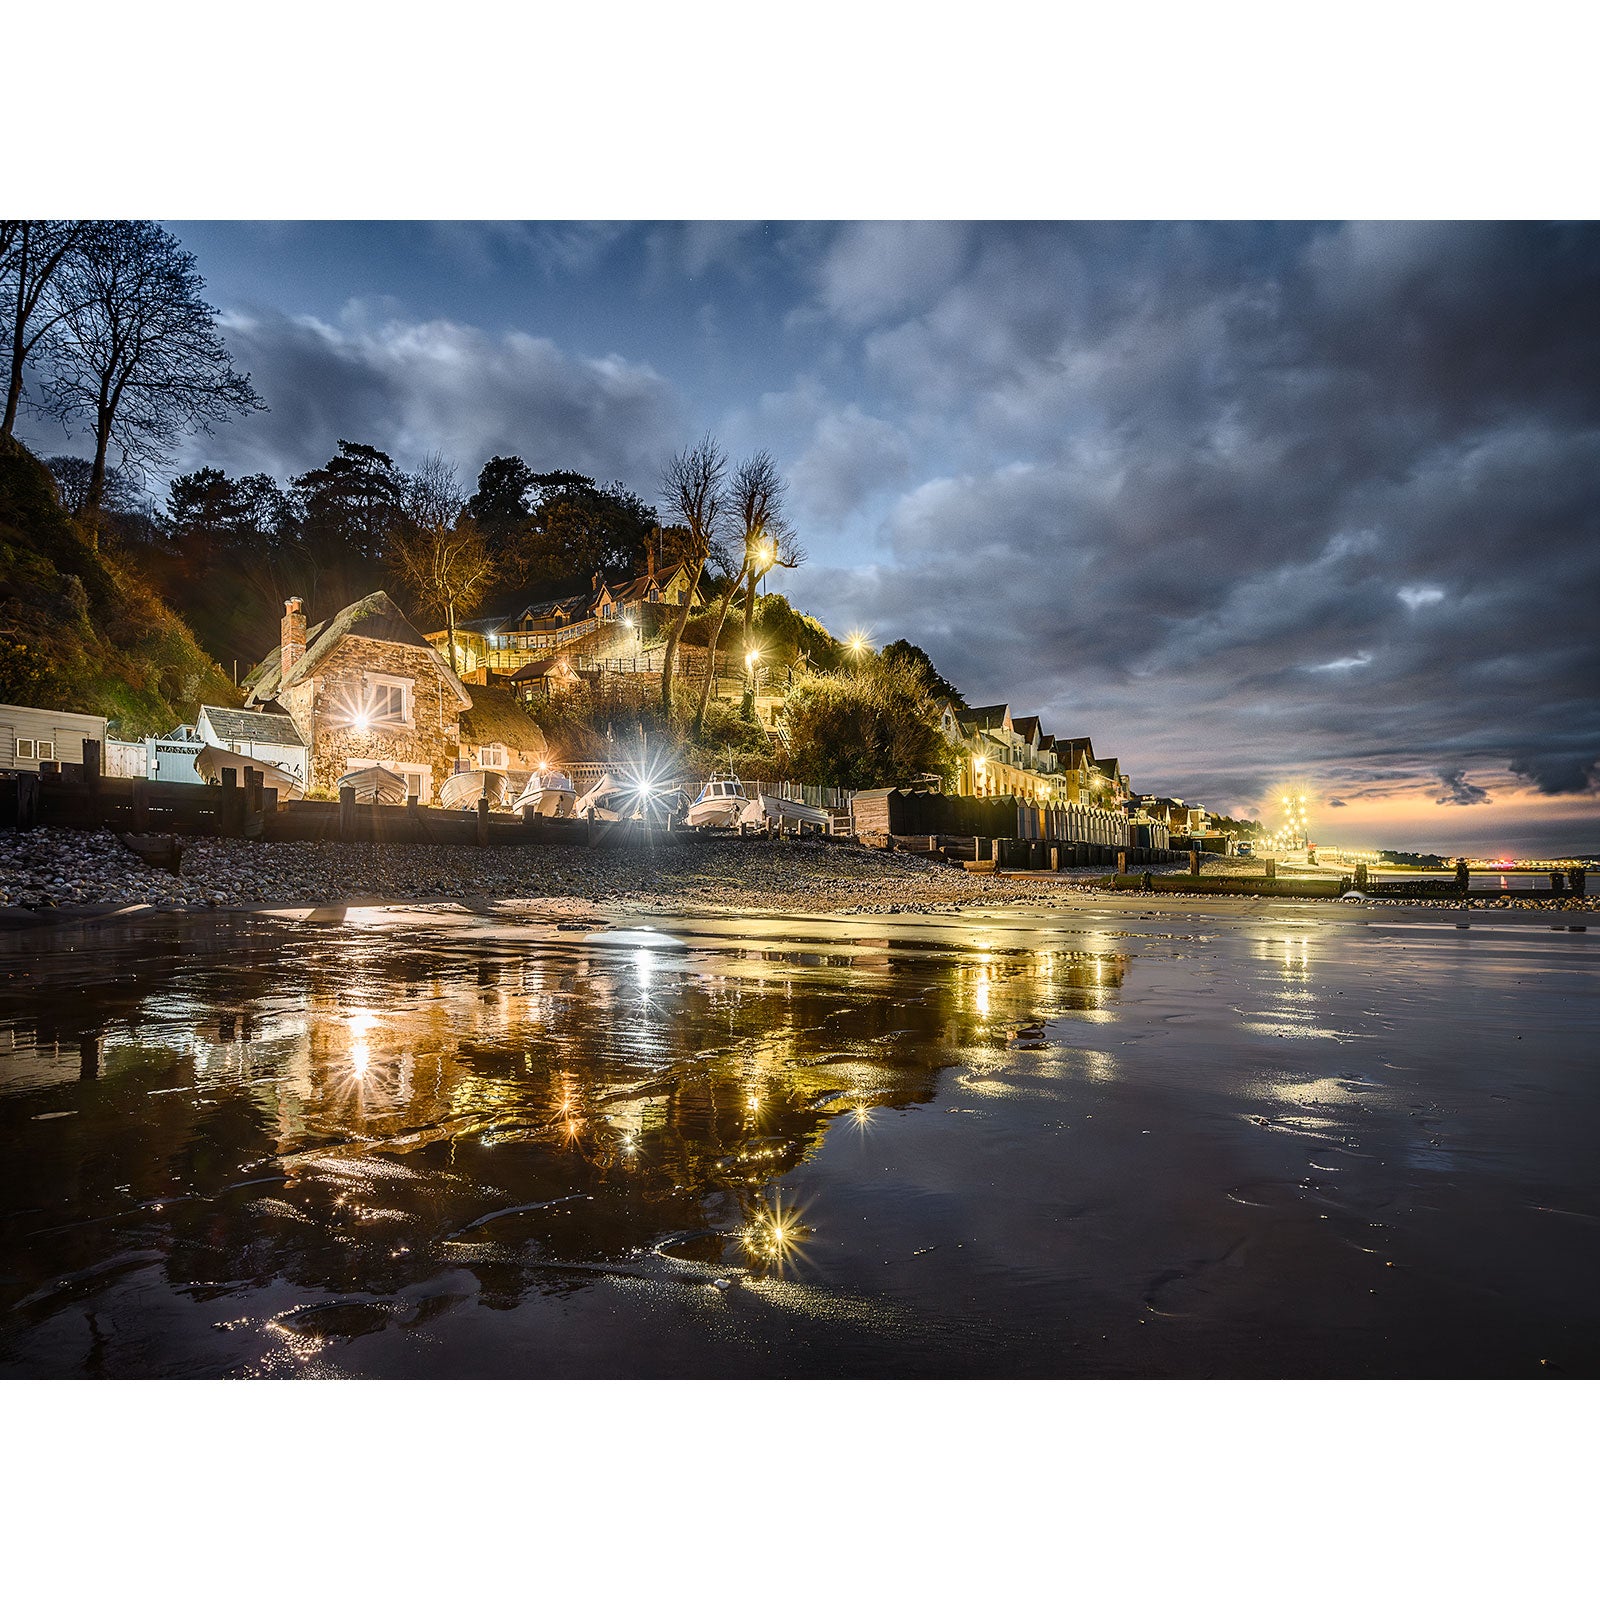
(544, 680)
(364, 689)
(565, 618)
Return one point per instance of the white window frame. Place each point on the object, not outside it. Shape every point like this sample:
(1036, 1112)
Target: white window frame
(26, 748)
(408, 697)
(494, 756)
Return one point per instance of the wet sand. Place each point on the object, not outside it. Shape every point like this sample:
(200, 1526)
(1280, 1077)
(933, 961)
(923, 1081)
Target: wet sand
(1120, 1136)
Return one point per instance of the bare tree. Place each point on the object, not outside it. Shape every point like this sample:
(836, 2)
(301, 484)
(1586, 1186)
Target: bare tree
(694, 486)
(448, 565)
(769, 540)
(433, 496)
(139, 354)
(756, 491)
(32, 255)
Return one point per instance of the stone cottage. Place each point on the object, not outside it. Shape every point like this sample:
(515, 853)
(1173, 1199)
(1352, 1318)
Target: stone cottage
(364, 689)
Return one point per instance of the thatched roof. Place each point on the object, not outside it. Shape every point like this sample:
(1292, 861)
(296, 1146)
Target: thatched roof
(495, 718)
(374, 616)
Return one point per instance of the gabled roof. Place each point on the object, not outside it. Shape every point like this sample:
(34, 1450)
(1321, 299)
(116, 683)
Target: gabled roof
(1069, 750)
(534, 670)
(374, 616)
(1109, 765)
(1026, 727)
(639, 588)
(495, 718)
(988, 716)
(261, 727)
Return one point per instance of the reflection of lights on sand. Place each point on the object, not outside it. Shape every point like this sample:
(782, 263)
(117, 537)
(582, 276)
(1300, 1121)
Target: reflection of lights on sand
(981, 997)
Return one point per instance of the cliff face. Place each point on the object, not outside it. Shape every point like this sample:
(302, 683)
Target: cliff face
(82, 631)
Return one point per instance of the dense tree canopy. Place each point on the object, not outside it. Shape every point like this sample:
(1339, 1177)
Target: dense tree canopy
(902, 651)
(868, 729)
(543, 526)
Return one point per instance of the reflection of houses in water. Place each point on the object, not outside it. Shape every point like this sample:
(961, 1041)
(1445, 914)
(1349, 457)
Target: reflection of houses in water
(357, 1103)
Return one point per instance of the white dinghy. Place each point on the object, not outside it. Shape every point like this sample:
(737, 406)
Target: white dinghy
(214, 758)
(375, 783)
(719, 803)
(462, 791)
(548, 792)
(791, 815)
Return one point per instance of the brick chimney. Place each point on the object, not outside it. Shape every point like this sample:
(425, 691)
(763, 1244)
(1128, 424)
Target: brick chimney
(293, 629)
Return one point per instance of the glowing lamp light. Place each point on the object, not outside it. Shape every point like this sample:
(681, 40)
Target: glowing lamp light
(361, 722)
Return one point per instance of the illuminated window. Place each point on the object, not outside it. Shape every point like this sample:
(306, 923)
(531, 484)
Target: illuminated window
(492, 755)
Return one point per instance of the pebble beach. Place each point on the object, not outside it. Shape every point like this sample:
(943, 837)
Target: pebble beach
(49, 870)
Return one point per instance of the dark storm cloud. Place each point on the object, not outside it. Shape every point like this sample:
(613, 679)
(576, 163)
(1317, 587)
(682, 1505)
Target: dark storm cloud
(1334, 491)
(1247, 503)
(412, 387)
(1560, 773)
(1458, 792)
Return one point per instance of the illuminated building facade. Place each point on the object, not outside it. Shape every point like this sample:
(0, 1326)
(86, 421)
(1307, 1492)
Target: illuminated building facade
(364, 689)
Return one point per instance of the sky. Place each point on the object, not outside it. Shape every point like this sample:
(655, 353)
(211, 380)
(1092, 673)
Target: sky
(1252, 505)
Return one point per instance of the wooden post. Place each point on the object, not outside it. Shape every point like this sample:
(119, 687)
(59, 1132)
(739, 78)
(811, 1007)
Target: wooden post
(413, 819)
(141, 805)
(1194, 863)
(483, 819)
(19, 790)
(1055, 858)
(91, 763)
(994, 853)
(347, 814)
(1122, 862)
(1361, 875)
(232, 819)
(254, 788)
(1272, 867)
